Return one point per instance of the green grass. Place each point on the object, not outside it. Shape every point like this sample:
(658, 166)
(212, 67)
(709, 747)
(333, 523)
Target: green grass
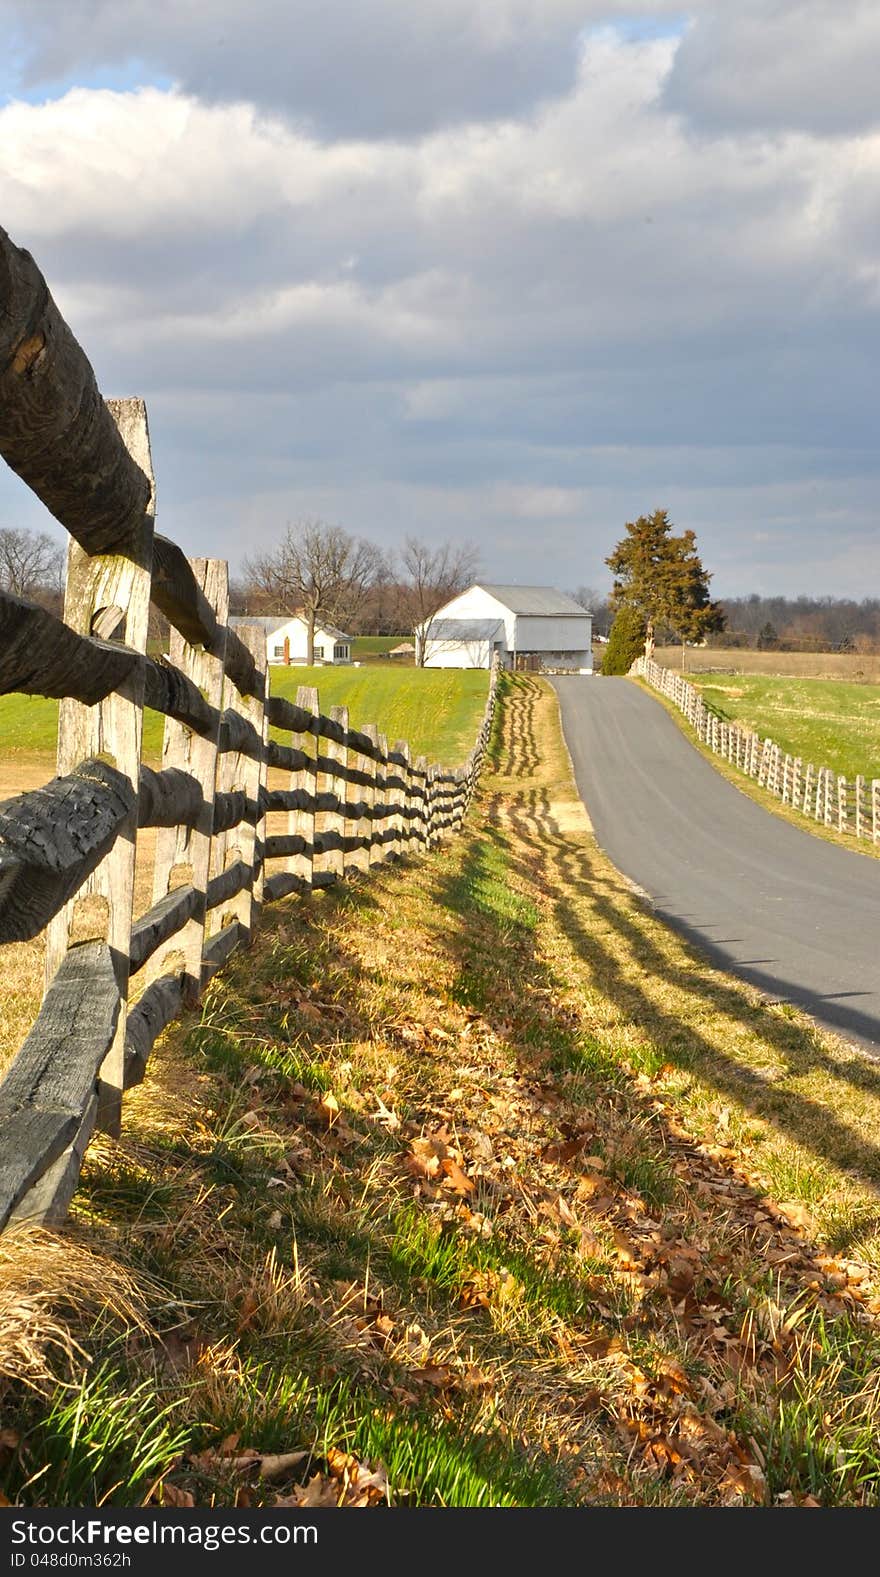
(99, 1443)
(374, 648)
(437, 710)
(830, 722)
(609, 1279)
(29, 727)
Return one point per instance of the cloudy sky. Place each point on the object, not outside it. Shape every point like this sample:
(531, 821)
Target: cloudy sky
(507, 271)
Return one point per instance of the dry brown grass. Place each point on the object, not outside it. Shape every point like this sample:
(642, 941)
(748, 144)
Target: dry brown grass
(855, 666)
(478, 1150)
(53, 1287)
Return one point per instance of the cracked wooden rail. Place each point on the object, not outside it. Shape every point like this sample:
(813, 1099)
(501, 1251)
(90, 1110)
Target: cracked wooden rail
(67, 850)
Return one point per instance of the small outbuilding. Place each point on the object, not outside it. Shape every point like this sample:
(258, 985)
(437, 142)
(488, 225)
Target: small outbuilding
(530, 627)
(287, 639)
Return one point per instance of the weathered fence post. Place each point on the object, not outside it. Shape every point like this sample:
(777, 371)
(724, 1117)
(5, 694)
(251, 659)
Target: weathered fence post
(304, 782)
(334, 786)
(360, 826)
(400, 749)
(433, 806)
(841, 803)
(183, 853)
(377, 853)
(860, 804)
(238, 852)
(405, 819)
(109, 595)
(808, 789)
(421, 822)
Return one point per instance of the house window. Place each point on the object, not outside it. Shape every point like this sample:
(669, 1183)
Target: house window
(277, 651)
(319, 654)
(340, 651)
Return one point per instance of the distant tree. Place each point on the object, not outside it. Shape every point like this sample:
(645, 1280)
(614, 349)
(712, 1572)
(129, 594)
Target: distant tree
(318, 571)
(30, 561)
(432, 575)
(662, 577)
(767, 638)
(626, 641)
(596, 603)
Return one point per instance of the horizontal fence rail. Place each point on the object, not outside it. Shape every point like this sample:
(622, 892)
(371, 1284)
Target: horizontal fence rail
(847, 805)
(67, 850)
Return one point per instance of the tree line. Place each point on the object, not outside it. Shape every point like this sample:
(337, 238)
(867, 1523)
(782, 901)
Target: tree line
(326, 574)
(801, 624)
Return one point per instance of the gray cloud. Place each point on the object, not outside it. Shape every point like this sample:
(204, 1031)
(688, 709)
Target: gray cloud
(524, 331)
(377, 68)
(808, 65)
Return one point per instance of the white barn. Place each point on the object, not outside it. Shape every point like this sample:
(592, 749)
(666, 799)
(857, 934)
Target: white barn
(287, 639)
(535, 627)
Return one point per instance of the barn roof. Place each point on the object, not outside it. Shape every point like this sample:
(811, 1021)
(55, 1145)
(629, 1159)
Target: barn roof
(270, 624)
(462, 629)
(536, 600)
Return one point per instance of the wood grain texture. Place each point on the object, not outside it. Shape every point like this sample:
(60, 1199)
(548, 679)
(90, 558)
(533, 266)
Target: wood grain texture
(164, 920)
(187, 845)
(377, 806)
(56, 432)
(299, 862)
(226, 884)
(168, 797)
(52, 838)
(161, 1003)
(245, 773)
(221, 946)
(47, 1202)
(177, 592)
(331, 782)
(47, 1090)
(113, 727)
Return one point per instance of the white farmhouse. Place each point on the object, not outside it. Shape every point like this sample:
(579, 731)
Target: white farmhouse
(533, 627)
(287, 639)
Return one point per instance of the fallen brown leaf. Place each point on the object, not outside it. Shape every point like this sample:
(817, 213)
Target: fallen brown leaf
(272, 1467)
(172, 1495)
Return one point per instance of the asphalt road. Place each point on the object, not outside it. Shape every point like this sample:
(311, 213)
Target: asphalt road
(792, 914)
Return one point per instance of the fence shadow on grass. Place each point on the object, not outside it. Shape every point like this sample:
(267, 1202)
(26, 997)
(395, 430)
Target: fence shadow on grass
(562, 869)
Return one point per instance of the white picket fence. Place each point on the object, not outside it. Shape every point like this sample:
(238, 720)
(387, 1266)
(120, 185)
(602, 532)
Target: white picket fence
(817, 792)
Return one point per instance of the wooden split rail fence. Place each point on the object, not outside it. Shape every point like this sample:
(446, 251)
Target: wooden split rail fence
(849, 806)
(67, 850)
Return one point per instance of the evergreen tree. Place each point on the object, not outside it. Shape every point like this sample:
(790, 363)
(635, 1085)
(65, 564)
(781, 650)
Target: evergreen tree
(662, 577)
(626, 641)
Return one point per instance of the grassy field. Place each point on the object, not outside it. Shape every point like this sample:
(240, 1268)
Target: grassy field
(375, 648)
(859, 668)
(437, 710)
(827, 721)
(471, 1184)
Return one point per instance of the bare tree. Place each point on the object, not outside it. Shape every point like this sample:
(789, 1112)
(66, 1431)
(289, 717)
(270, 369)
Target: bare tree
(432, 575)
(30, 561)
(318, 571)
